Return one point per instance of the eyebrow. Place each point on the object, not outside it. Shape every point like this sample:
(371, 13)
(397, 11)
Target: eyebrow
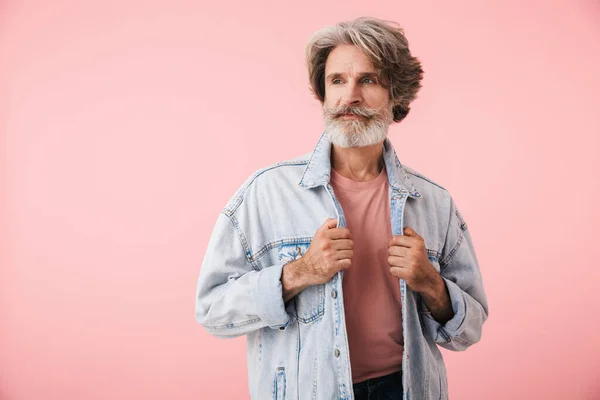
(335, 75)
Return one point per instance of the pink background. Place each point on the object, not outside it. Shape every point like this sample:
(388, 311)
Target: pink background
(126, 126)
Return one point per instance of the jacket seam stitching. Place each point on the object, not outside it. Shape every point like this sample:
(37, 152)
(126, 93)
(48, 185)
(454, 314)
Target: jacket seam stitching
(418, 175)
(239, 199)
(232, 325)
(448, 258)
(243, 241)
(278, 243)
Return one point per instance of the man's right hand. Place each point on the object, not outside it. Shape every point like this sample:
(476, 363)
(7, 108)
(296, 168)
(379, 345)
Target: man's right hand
(330, 251)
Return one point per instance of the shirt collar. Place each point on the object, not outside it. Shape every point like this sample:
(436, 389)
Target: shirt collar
(318, 170)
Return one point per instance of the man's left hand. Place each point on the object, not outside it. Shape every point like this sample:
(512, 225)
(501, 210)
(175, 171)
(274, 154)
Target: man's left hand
(408, 259)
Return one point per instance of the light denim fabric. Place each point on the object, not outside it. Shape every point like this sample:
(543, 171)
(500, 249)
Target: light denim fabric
(299, 350)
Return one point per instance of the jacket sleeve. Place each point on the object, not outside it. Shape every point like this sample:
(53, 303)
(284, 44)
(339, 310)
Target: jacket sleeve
(232, 297)
(460, 270)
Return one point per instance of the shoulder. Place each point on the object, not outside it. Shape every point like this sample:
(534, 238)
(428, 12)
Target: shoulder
(423, 182)
(440, 197)
(436, 198)
(281, 173)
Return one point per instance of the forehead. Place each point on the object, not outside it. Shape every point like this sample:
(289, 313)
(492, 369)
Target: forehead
(349, 59)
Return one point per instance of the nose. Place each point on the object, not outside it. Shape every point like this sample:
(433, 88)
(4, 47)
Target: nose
(352, 95)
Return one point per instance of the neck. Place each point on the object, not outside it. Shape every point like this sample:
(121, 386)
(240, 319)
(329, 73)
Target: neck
(360, 164)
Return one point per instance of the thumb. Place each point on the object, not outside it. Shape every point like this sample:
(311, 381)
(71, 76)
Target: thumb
(408, 231)
(330, 223)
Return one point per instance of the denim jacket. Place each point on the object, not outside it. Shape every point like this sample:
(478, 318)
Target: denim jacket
(299, 350)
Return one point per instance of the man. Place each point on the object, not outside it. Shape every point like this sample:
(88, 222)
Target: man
(344, 268)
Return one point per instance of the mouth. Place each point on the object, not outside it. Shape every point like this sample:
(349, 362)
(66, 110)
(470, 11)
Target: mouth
(351, 116)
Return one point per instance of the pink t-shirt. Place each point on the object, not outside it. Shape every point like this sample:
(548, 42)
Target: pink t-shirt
(371, 293)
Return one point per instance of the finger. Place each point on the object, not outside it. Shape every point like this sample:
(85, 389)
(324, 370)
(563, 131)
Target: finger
(398, 272)
(341, 254)
(401, 240)
(396, 261)
(329, 223)
(398, 251)
(408, 231)
(342, 244)
(344, 263)
(339, 233)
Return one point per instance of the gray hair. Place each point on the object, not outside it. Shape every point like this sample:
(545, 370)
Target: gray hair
(387, 48)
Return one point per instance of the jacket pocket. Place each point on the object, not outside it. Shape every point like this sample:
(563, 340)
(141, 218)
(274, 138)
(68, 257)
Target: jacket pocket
(279, 388)
(310, 303)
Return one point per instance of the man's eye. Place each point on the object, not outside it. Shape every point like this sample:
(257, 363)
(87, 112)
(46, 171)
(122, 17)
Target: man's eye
(369, 79)
(335, 80)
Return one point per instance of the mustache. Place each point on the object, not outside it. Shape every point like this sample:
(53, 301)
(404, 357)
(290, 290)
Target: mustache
(358, 111)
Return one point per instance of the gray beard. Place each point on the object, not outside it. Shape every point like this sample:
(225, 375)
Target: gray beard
(356, 132)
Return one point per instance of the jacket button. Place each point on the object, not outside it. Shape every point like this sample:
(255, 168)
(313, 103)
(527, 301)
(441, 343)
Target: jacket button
(336, 352)
(333, 293)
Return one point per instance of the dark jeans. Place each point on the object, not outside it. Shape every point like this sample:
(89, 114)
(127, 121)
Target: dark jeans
(388, 387)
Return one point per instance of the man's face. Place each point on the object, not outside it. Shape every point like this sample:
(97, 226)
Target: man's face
(357, 110)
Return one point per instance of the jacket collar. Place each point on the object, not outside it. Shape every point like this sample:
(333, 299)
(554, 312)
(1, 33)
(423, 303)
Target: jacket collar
(318, 170)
